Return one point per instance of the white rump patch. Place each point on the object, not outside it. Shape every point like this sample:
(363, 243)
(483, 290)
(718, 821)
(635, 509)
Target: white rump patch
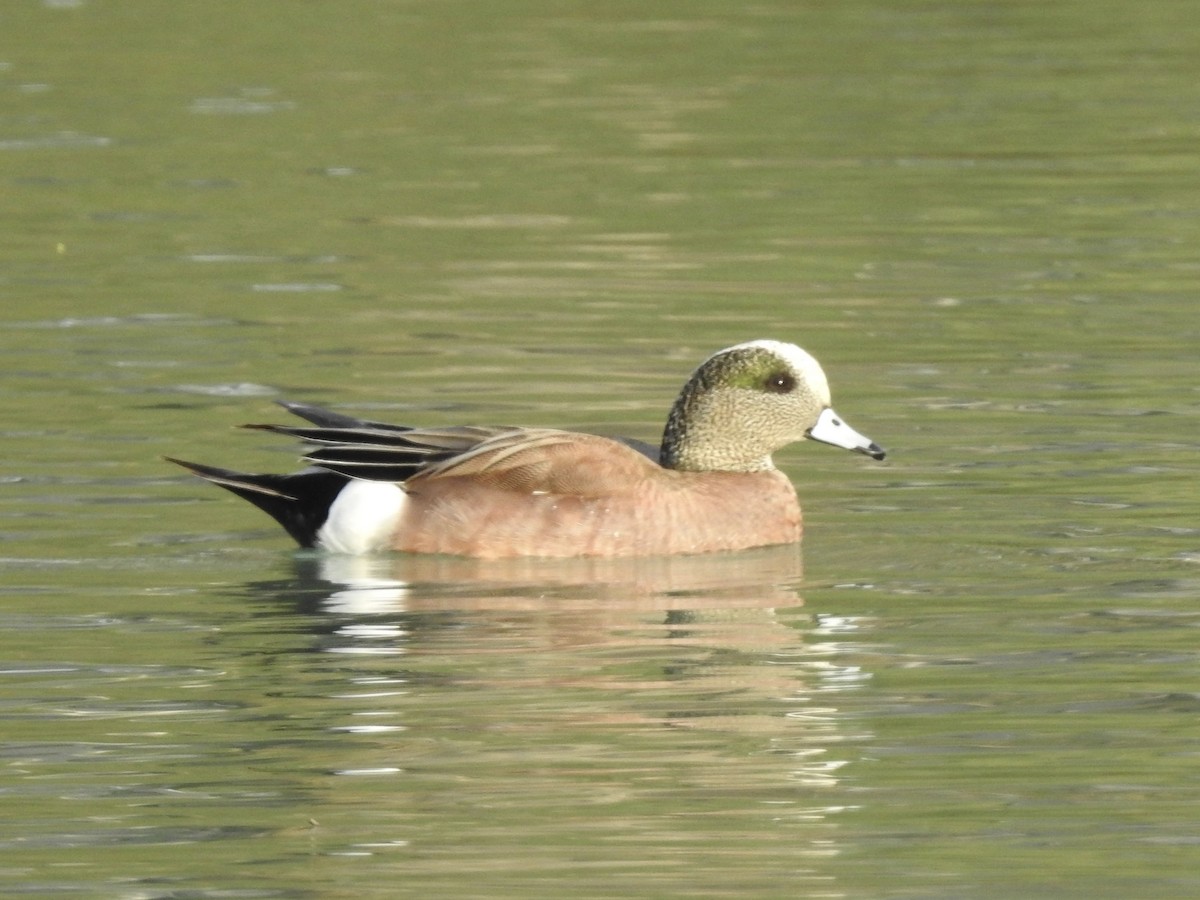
(362, 518)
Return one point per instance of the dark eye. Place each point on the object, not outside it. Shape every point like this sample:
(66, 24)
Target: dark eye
(780, 383)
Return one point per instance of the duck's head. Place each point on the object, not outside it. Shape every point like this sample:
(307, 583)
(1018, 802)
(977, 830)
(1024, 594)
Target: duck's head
(747, 401)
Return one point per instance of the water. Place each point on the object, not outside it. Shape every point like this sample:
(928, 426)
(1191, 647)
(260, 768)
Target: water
(979, 680)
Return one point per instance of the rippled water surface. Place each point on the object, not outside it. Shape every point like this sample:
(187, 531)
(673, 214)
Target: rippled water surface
(978, 677)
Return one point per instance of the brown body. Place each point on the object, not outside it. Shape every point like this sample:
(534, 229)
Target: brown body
(664, 512)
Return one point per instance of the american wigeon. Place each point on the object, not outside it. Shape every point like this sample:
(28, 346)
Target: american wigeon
(493, 492)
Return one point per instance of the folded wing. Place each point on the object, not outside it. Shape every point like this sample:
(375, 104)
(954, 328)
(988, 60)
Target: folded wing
(516, 459)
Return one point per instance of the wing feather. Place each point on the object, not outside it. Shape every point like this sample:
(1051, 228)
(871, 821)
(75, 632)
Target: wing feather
(526, 460)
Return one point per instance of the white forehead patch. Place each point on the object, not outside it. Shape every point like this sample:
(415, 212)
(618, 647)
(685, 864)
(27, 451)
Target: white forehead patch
(800, 361)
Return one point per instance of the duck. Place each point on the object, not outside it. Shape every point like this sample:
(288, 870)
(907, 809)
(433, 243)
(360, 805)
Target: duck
(494, 492)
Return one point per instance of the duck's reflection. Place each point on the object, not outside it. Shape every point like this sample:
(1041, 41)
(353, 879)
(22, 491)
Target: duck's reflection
(696, 672)
(372, 585)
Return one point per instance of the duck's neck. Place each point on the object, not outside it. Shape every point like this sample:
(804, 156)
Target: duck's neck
(673, 452)
(695, 441)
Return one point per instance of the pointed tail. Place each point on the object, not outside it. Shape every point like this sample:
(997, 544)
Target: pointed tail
(299, 502)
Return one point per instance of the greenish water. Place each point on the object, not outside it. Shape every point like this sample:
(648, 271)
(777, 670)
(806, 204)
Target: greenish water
(982, 218)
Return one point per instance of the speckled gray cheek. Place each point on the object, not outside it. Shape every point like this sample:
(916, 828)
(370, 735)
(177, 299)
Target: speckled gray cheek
(731, 428)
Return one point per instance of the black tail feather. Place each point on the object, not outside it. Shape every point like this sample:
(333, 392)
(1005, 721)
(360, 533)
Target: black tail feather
(299, 502)
(326, 418)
